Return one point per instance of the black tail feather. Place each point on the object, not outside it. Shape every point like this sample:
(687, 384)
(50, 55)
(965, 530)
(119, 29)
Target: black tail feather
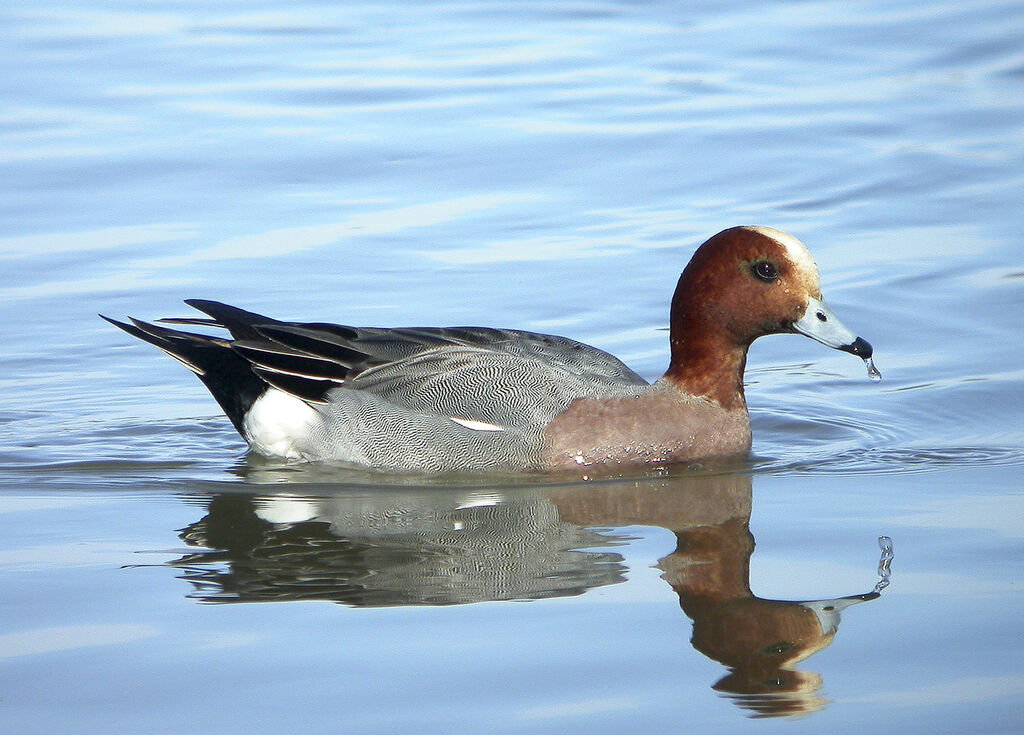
(241, 323)
(308, 389)
(332, 341)
(227, 375)
(272, 356)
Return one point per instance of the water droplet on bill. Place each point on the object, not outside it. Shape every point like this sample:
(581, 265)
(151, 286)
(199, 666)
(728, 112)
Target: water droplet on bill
(872, 370)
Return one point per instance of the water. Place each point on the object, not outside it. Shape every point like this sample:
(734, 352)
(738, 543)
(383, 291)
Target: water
(546, 166)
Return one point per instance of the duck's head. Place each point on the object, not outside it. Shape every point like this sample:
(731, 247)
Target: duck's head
(741, 284)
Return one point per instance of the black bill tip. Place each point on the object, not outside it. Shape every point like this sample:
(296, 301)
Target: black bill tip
(859, 347)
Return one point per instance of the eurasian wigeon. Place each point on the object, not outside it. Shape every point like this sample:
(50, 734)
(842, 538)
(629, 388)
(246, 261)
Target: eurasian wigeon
(473, 398)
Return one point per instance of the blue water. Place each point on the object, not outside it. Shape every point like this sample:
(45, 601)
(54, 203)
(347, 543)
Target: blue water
(545, 166)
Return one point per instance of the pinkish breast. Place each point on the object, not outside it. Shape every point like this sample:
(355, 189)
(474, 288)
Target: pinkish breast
(660, 426)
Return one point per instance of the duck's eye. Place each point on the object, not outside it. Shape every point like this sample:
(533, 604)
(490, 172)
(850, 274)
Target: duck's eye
(765, 270)
(777, 649)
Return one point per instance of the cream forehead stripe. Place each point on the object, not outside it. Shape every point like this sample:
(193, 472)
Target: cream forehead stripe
(795, 249)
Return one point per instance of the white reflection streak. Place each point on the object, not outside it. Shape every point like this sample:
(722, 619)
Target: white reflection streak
(362, 82)
(969, 690)
(997, 513)
(220, 641)
(109, 238)
(97, 24)
(90, 240)
(574, 127)
(490, 56)
(249, 111)
(295, 239)
(117, 283)
(67, 555)
(135, 274)
(70, 637)
(534, 249)
(228, 109)
(579, 708)
(31, 504)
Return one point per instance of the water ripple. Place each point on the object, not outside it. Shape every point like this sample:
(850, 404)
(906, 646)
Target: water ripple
(881, 461)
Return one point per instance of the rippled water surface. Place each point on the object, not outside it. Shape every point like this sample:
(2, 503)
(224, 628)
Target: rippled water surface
(546, 166)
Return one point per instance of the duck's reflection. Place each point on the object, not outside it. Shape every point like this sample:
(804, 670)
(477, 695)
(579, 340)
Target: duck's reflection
(390, 548)
(758, 640)
(439, 546)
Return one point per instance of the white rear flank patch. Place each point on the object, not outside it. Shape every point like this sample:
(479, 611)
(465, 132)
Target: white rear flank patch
(795, 249)
(279, 425)
(477, 425)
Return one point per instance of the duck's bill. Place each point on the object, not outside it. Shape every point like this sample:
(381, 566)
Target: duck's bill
(827, 611)
(819, 323)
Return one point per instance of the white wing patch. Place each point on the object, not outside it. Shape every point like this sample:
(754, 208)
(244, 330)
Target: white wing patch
(477, 425)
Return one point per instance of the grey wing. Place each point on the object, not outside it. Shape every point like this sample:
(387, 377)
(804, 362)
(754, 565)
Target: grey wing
(498, 376)
(521, 383)
(494, 387)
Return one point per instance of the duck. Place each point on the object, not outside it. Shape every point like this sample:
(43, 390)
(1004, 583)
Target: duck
(451, 399)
